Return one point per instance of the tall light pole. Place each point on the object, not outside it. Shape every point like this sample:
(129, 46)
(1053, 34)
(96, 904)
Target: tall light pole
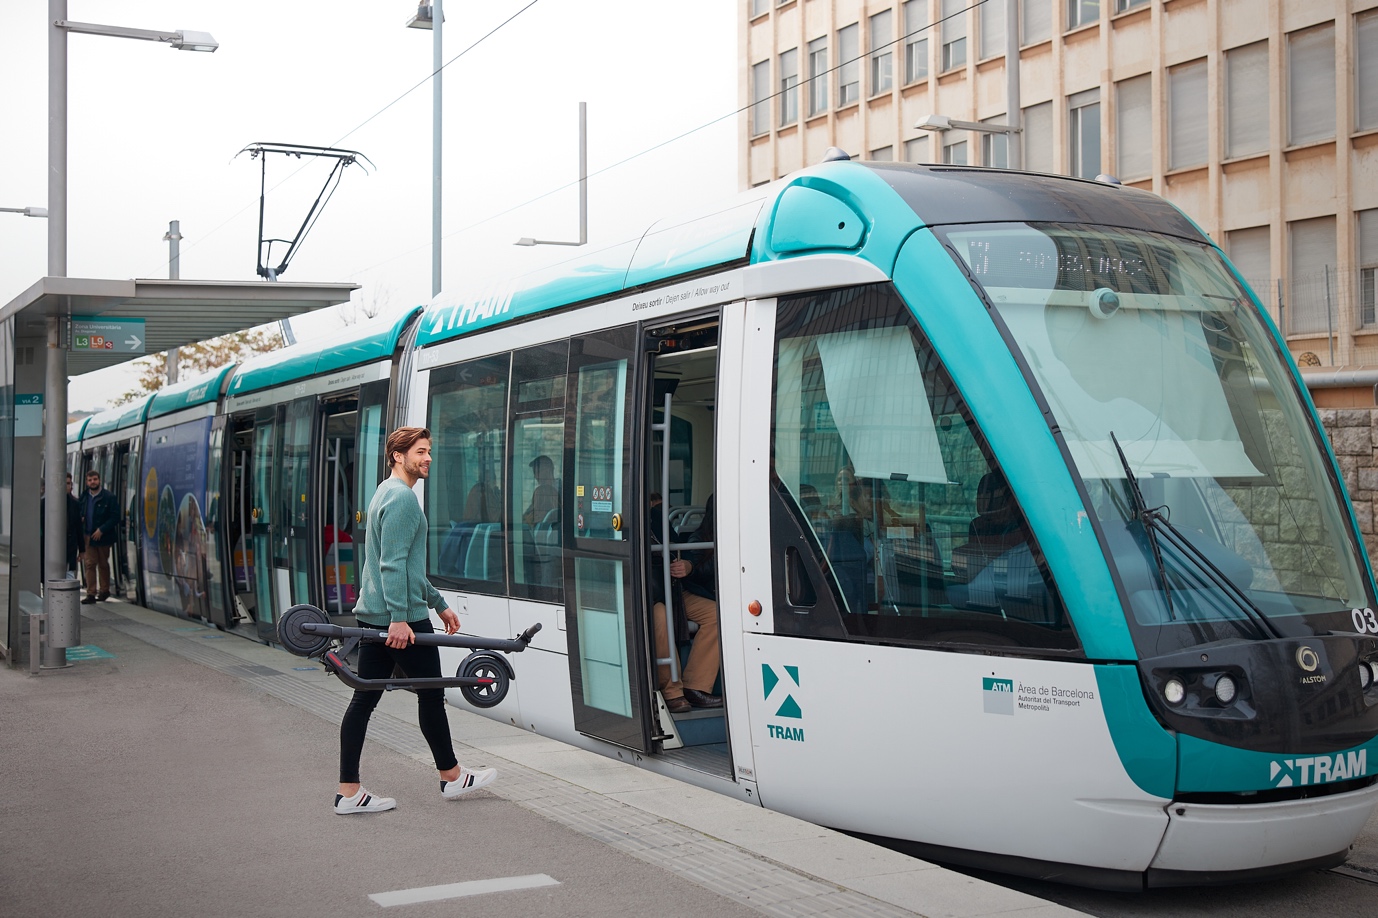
(432, 16)
(173, 238)
(55, 384)
(1013, 114)
(583, 186)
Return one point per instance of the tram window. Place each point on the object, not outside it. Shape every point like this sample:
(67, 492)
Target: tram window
(877, 454)
(536, 469)
(467, 417)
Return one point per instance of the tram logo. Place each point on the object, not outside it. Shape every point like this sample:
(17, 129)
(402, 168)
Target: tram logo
(998, 695)
(1321, 769)
(1307, 659)
(774, 686)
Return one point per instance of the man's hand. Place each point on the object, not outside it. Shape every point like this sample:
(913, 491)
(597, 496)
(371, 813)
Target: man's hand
(451, 621)
(95, 536)
(680, 569)
(400, 635)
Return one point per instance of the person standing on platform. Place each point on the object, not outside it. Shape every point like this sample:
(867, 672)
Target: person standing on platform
(100, 515)
(395, 594)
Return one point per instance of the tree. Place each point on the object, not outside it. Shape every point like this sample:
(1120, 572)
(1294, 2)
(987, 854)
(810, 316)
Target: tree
(365, 308)
(202, 357)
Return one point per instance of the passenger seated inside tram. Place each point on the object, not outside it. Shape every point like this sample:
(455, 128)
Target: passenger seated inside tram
(694, 587)
(484, 503)
(546, 495)
(995, 569)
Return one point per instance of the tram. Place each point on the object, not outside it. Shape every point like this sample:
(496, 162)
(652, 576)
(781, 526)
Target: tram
(1030, 551)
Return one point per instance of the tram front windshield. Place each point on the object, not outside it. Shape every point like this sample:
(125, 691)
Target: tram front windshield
(1155, 361)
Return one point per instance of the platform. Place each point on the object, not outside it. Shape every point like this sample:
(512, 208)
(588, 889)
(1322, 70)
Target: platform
(175, 770)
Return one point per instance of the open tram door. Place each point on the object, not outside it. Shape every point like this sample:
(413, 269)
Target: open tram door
(607, 666)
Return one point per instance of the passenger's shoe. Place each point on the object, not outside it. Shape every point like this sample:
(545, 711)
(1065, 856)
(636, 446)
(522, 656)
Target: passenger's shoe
(363, 802)
(702, 699)
(88, 600)
(678, 705)
(467, 781)
(103, 597)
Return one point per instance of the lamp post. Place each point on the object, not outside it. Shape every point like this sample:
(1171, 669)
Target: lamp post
(583, 187)
(55, 384)
(431, 15)
(26, 211)
(940, 124)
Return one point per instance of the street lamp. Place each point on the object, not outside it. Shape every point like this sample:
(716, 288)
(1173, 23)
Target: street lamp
(55, 384)
(940, 124)
(583, 187)
(430, 15)
(26, 211)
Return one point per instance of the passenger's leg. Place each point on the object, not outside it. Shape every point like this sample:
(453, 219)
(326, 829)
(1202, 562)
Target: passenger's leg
(702, 669)
(374, 663)
(423, 662)
(671, 690)
(88, 564)
(103, 568)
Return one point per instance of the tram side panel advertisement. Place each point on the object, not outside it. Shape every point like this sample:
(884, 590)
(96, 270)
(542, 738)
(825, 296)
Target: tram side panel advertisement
(176, 563)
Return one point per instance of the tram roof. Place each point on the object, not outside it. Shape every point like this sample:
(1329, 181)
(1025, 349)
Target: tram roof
(356, 345)
(74, 430)
(774, 221)
(117, 418)
(190, 393)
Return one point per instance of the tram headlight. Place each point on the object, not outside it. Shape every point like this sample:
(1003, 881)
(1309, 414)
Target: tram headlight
(1365, 675)
(1225, 689)
(1174, 691)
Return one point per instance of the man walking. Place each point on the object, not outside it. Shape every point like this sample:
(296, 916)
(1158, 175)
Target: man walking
(100, 515)
(395, 594)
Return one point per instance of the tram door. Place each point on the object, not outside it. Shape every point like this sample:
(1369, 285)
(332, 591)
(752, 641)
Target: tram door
(124, 484)
(606, 638)
(369, 467)
(337, 582)
(262, 469)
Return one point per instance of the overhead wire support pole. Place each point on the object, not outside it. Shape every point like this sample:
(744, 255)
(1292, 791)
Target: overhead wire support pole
(1013, 114)
(437, 138)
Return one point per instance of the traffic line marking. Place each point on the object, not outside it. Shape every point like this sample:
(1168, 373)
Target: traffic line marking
(459, 890)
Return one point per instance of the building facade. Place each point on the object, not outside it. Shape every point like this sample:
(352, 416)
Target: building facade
(1259, 118)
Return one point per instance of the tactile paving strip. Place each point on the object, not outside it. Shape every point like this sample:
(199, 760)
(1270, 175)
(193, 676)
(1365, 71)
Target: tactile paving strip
(716, 865)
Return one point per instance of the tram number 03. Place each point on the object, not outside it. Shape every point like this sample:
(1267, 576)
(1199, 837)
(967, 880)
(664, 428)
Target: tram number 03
(1365, 621)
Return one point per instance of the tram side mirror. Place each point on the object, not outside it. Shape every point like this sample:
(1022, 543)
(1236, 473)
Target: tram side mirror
(1104, 303)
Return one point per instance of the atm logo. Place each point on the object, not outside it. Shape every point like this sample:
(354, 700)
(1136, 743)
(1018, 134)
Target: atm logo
(998, 695)
(778, 689)
(1321, 769)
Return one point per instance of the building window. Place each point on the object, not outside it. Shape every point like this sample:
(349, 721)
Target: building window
(1083, 137)
(1125, 5)
(915, 40)
(1311, 263)
(1134, 127)
(759, 7)
(1311, 84)
(1366, 70)
(1187, 118)
(955, 152)
(849, 69)
(992, 20)
(1037, 16)
(1038, 138)
(1251, 252)
(954, 33)
(882, 53)
(1246, 100)
(760, 98)
(995, 147)
(883, 154)
(916, 150)
(1082, 12)
(818, 75)
(1368, 266)
(789, 87)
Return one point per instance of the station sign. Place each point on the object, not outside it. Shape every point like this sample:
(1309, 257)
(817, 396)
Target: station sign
(107, 334)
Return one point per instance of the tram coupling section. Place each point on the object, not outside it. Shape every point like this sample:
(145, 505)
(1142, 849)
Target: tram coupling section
(483, 677)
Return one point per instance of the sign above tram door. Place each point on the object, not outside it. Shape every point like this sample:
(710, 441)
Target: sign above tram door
(114, 336)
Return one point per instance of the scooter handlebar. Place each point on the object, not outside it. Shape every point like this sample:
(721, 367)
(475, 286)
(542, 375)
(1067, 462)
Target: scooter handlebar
(474, 642)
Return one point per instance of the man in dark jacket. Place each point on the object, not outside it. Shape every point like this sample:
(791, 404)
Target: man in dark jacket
(74, 537)
(100, 516)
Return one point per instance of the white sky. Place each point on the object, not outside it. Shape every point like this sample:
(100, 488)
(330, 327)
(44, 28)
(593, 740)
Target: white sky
(153, 133)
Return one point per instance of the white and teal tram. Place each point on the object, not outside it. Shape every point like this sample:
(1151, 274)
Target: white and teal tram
(1031, 553)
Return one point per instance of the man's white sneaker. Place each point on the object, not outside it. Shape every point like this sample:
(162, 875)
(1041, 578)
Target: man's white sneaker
(467, 781)
(363, 802)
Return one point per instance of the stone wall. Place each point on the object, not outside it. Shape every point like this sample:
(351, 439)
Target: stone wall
(1353, 434)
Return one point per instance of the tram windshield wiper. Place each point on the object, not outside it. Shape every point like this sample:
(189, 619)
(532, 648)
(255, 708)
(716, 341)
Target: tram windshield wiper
(1156, 523)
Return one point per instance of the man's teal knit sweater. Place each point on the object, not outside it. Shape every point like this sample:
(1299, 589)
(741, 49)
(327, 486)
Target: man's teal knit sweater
(394, 587)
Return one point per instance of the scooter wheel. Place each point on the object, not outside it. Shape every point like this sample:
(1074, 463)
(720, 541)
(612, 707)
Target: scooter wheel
(489, 694)
(297, 641)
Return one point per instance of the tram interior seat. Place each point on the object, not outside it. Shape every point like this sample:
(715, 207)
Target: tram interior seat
(684, 520)
(484, 560)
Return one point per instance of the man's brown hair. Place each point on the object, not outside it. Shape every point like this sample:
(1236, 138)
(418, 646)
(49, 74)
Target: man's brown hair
(403, 439)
